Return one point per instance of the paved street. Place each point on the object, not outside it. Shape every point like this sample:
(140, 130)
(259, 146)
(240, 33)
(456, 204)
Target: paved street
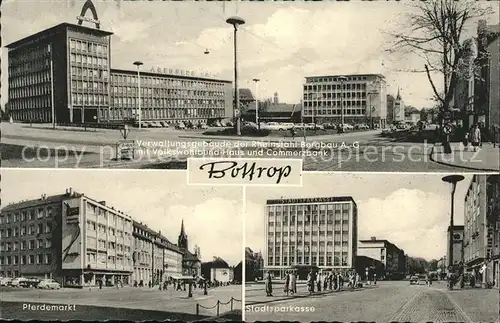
(390, 301)
(357, 151)
(120, 301)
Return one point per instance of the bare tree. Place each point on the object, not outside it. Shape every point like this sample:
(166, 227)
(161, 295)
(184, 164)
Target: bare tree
(435, 32)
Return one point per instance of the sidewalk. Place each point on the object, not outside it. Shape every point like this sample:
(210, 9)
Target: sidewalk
(261, 298)
(486, 158)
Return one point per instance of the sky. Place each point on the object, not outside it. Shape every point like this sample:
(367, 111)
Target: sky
(281, 42)
(161, 200)
(411, 211)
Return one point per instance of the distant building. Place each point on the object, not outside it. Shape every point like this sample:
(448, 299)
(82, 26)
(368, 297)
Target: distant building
(398, 109)
(387, 253)
(276, 99)
(362, 97)
(390, 108)
(217, 270)
(315, 232)
(191, 264)
(458, 245)
(254, 265)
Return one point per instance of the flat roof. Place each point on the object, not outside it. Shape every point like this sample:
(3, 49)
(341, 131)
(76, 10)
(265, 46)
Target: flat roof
(55, 28)
(311, 200)
(346, 75)
(34, 202)
(134, 72)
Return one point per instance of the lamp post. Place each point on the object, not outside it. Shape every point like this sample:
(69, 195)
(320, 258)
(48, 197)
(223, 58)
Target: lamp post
(342, 80)
(235, 22)
(256, 102)
(453, 180)
(139, 64)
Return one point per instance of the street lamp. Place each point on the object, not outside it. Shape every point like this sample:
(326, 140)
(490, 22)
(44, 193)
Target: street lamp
(139, 64)
(453, 180)
(256, 102)
(342, 80)
(235, 22)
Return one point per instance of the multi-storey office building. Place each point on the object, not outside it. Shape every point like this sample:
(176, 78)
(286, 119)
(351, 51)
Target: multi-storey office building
(64, 71)
(310, 231)
(70, 237)
(481, 242)
(61, 71)
(167, 97)
(387, 253)
(361, 98)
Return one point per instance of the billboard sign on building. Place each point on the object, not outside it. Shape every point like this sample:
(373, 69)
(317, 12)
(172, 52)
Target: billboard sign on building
(179, 72)
(71, 234)
(95, 19)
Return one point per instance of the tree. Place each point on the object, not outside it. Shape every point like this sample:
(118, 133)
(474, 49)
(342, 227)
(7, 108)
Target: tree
(435, 33)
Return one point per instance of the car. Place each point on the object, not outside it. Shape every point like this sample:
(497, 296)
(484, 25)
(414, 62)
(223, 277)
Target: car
(156, 124)
(48, 284)
(29, 282)
(272, 126)
(414, 280)
(16, 282)
(299, 126)
(180, 125)
(287, 125)
(164, 124)
(216, 124)
(5, 281)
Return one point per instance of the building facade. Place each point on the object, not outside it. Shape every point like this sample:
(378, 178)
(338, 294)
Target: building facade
(70, 237)
(361, 98)
(63, 74)
(387, 253)
(318, 232)
(481, 238)
(458, 245)
(463, 97)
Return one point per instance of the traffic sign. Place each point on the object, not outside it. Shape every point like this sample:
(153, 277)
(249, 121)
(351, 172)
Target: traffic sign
(236, 112)
(448, 129)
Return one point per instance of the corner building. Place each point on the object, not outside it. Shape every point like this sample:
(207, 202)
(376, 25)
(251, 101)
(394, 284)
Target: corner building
(70, 237)
(313, 232)
(65, 72)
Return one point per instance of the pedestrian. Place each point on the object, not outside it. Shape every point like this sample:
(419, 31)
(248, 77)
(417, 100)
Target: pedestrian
(465, 141)
(318, 282)
(310, 283)
(286, 288)
(293, 282)
(100, 283)
(475, 137)
(374, 278)
(294, 132)
(269, 285)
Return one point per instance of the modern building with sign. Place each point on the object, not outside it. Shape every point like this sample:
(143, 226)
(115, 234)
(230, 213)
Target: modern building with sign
(63, 74)
(362, 96)
(69, 237)
(315, 232)
(458, 245)
(387, 253)
(481, 224)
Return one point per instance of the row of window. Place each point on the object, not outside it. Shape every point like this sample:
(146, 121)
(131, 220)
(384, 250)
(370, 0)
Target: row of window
(90, 73)
(306, 249)
(29, 79)
(314, 232)
(22, 72)
(322, 79)
(164, 92)
(338, 104)
(148, 81)
(110, 218)
(336, 96)
(334, 87)
(329, 112)
(33, 114)
(309, 216)
(103, 258)
(308, 207)
(77, 59)
(111, 231)
(27, 215)
(110, 246)
(89, 99)
(171, 102)
(40, 259)
(337, 260)
(88, 47)
(26, 230)
(30, 92)
(25, 245)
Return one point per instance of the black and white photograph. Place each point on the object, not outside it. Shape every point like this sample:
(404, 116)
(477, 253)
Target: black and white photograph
(98, 245)
(387, 86)
(374, 248)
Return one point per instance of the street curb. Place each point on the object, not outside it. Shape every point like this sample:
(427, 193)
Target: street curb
(306, 296)
(431, 154)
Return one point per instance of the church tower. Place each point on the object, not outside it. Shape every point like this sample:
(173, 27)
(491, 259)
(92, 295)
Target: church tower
(182, 241)
(399, 108)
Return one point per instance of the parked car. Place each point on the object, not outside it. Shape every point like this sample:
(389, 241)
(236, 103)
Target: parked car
(5, 281)
(329, 125)
(362, 126)
(164, 124)
(156, 124)
(202, 125)
(300, 126)
(180, 125)
(217, 124)
(414, 280)
(287, 125)
(272, 126)
(16, 282)
(49, 284)
(29, 282)
(227, 124)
